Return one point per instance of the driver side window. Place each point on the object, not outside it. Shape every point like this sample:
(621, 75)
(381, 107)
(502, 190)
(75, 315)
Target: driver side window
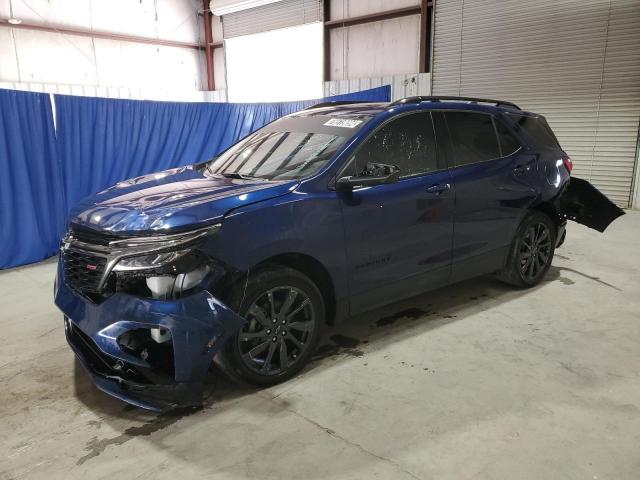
(407, 142)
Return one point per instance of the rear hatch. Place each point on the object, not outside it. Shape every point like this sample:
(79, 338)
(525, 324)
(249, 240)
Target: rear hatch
(578, 199)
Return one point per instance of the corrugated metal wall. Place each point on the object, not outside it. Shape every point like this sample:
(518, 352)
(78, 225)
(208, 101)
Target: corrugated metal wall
(287, 13)
(401, 85)
(577, 62)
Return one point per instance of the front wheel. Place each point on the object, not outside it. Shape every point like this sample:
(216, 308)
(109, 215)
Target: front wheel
(284, 312)
(531, 252)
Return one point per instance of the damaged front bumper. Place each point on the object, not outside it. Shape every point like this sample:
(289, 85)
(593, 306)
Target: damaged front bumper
(151, 375)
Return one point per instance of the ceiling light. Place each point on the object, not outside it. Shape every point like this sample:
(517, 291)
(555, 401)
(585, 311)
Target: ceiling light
(14, 21)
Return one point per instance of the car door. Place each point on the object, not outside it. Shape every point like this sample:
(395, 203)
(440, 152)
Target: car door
(494, 183)
(398, 236)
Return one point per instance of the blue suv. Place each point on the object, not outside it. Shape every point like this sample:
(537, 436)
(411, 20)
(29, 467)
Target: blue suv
(329, 212)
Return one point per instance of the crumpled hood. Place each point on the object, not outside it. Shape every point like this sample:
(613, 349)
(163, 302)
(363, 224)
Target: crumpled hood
(175, 198)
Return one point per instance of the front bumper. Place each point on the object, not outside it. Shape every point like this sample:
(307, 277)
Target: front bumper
(199, 325)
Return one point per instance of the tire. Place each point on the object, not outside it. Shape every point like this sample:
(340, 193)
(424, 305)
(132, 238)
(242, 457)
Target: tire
(255, 354)
(531, 251)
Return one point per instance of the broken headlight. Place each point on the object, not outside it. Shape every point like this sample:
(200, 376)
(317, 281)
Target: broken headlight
(146, 262)
(165, 275)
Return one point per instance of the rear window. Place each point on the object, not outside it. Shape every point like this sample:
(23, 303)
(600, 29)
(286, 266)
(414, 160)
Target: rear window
(538, 128)
(473, 137)
(508, 143)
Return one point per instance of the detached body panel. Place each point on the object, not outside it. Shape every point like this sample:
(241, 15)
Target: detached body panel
(585, 204)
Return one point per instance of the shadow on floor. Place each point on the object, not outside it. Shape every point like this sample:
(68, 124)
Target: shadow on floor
(374, 329)
(362, 334)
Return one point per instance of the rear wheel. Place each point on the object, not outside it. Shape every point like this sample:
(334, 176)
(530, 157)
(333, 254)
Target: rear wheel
(284, 312)
(531, 251)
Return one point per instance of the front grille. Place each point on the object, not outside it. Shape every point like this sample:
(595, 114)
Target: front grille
(83, 271)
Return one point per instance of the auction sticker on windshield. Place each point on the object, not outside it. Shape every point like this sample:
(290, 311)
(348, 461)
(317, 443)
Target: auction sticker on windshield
(342, 122)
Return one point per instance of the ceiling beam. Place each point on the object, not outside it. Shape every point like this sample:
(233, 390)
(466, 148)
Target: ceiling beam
(208, 49)
(97, 34)
(374, 17)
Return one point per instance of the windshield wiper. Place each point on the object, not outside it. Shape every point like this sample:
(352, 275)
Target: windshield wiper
(239, 176)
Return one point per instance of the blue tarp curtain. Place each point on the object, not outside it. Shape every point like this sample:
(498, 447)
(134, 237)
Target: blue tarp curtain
(32, 201)
(99, 142)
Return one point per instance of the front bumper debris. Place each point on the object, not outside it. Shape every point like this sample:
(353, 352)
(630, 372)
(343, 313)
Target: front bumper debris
(171, 377)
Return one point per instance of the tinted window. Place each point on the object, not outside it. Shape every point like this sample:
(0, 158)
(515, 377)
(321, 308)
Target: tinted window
(508, 143)
(538, 128)
(473, 137)
(443, 140)
(278, 155)
(407, 142)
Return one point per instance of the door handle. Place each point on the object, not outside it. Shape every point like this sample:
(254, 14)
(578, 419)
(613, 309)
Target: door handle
(439, 188)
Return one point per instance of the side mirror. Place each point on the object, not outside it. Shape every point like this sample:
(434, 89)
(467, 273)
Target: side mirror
(376, 174)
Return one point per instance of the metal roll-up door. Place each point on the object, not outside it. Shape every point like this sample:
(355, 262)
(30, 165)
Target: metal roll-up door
(287, 13)
(577, 62)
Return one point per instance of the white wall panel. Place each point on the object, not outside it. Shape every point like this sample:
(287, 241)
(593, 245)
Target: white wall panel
(376, 49)
(179, 20)
(216, 26)
(354, 8)
(401, 85)
(577, 62)
(132, 17)
(141, 65)
(53, 58)
(219, 69)
(70, 13)
(8, 59)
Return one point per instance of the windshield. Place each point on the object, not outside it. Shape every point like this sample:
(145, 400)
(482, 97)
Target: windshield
(276, 155)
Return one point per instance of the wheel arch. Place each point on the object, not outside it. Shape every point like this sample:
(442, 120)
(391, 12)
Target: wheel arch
(549, 209)
(312, 268)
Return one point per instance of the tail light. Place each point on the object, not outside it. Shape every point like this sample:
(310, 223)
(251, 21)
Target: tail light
(567, 163)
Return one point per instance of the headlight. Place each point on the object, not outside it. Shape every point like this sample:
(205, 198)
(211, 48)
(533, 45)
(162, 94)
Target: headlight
(145, 262)
(163, 275)
(168, 286)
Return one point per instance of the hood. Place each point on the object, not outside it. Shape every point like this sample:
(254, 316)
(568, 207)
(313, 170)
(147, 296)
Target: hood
(173, 199)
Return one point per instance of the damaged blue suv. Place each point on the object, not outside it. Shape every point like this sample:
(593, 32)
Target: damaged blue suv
(320, 215)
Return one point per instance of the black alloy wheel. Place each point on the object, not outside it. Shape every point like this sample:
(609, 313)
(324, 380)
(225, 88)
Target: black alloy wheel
(531, 252)
(279, 325)
(535, 250)
(285, 313)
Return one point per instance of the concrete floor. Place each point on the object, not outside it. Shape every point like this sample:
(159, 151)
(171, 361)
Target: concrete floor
(473, 381)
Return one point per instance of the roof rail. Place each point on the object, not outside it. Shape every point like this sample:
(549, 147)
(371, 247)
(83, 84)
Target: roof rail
(335, 103)
(419, 99)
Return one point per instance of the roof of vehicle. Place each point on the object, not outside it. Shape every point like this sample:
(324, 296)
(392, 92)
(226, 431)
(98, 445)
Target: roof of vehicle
(345, 109)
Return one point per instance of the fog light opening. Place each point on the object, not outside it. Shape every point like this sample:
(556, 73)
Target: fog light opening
(153, 345)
